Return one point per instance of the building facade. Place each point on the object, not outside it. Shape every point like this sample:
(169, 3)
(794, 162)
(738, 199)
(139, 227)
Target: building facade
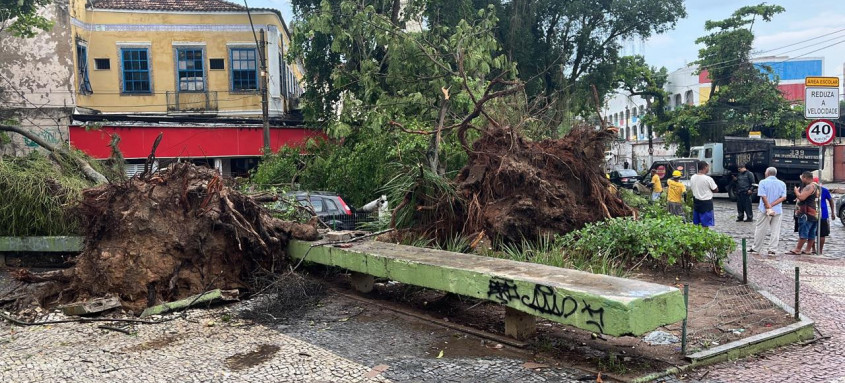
(190, 69)
(686, 87)
(36, 86)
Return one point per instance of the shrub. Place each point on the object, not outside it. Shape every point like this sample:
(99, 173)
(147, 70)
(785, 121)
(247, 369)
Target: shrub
(660, 242)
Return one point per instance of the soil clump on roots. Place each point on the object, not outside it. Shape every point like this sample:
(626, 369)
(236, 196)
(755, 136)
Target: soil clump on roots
(167, 236)
(515, 189)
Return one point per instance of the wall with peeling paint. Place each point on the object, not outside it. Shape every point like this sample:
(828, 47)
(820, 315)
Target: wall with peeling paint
(36, 82)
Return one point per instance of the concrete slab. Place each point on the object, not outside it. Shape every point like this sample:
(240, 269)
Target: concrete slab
(58, 244)
(598, 303)
(92, 306)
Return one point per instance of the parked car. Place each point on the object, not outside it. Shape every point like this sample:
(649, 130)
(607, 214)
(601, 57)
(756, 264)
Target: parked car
(328, 206)
(840, 208)
(625, 178)
(332, 209)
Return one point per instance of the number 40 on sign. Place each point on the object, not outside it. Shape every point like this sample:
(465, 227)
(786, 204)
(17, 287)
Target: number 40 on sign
(820, 132)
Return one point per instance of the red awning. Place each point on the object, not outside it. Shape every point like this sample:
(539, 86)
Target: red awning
(186, 142)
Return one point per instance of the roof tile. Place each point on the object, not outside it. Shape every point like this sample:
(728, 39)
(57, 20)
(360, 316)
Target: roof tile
(169, 5)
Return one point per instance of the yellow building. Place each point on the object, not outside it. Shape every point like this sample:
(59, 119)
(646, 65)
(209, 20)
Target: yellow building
(189, 69)
(197, 56)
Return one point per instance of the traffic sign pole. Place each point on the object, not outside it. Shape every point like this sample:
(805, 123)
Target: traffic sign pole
(821, 100)
(820, 133)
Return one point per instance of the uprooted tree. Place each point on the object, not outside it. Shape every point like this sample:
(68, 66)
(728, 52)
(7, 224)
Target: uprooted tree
(447, 110)
(165, 236)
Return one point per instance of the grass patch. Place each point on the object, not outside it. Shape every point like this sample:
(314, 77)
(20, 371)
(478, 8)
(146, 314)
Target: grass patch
(35, 194)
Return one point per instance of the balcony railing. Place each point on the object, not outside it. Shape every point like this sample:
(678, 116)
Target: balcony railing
(192, 102)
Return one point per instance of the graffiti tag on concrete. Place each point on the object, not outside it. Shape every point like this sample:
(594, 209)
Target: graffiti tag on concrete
(545, 300)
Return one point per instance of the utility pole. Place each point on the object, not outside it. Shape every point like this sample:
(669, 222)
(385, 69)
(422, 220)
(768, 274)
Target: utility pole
(265, 113)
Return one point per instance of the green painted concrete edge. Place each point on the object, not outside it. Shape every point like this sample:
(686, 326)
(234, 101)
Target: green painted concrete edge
(58, 244)
(802, 330)
(639, 314)
(783, 336)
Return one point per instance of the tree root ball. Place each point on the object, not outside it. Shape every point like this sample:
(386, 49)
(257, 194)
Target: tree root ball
(171, 235)
(515, 189)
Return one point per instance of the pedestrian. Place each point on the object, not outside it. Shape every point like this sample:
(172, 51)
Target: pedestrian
(675, 194)
(807, 214)
(772, 193)
(826, 201)
(744, 184)
(656, 185)
(703, 187)
(625, 164)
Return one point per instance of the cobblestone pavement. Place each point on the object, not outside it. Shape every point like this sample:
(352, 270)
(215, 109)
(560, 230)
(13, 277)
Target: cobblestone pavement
(822, 298)
(412, 349)
(339, 340)
(214, 349)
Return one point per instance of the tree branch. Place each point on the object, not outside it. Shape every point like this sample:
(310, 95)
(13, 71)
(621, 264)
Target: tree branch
(86, 168)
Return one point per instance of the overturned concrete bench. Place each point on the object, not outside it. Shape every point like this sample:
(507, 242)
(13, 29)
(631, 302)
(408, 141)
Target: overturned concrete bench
(597, 303)
(57, 244)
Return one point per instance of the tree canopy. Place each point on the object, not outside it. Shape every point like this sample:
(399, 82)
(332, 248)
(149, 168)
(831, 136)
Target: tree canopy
(19, 17)
(744, 96)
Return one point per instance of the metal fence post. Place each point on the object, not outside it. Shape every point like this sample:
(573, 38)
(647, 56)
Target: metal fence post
(686, 315)
(796, 293)
(744, 264)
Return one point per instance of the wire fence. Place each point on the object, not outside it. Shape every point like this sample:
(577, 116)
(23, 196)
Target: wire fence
(730, 313)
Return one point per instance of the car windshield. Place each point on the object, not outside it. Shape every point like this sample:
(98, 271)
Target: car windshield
(627, 173)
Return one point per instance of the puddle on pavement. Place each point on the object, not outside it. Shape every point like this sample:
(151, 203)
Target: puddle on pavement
(154, 344)
(454, 344)
(264, 353)
(459, 345)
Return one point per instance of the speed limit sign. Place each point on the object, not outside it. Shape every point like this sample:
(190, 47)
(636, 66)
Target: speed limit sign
(820, 132)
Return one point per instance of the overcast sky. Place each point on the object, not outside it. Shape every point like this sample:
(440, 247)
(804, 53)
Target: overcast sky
(820, 20)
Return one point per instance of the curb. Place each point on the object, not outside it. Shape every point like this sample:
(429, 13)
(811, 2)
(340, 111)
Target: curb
(796, 332)
(39, 244)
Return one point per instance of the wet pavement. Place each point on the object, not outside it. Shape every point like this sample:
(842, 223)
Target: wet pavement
(343, 340)
(822, 298)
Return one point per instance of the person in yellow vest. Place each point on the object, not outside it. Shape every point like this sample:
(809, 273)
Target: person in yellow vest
(612, 188)
(656, 186)
(675, 195)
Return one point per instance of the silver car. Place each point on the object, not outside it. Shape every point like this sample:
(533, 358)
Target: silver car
(840, 208)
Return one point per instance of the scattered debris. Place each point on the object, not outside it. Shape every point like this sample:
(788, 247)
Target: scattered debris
(93, 306)
(660, 338)
(216, 295)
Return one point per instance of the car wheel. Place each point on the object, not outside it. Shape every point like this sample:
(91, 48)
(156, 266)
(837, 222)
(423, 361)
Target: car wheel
(731, 194)
(842, 214)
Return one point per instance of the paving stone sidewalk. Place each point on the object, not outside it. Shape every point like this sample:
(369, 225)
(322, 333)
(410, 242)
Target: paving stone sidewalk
(207, 349)
(822, 299)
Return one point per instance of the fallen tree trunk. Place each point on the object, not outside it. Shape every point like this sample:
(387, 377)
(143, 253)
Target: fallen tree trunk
(84, 166)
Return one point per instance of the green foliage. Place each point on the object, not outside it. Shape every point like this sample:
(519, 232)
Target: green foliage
(26, 22)
(661, 242)
(553, 251)
(35, 195)
(563, 47)
(742, 97)
(279, 169)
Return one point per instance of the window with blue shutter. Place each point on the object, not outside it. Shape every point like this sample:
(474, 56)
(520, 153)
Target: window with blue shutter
(82, 66)
(244, 69)
(135, 64)
(189, 70)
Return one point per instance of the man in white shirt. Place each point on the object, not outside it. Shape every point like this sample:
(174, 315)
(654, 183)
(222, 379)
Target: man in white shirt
(703, 187)
(772, 192)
